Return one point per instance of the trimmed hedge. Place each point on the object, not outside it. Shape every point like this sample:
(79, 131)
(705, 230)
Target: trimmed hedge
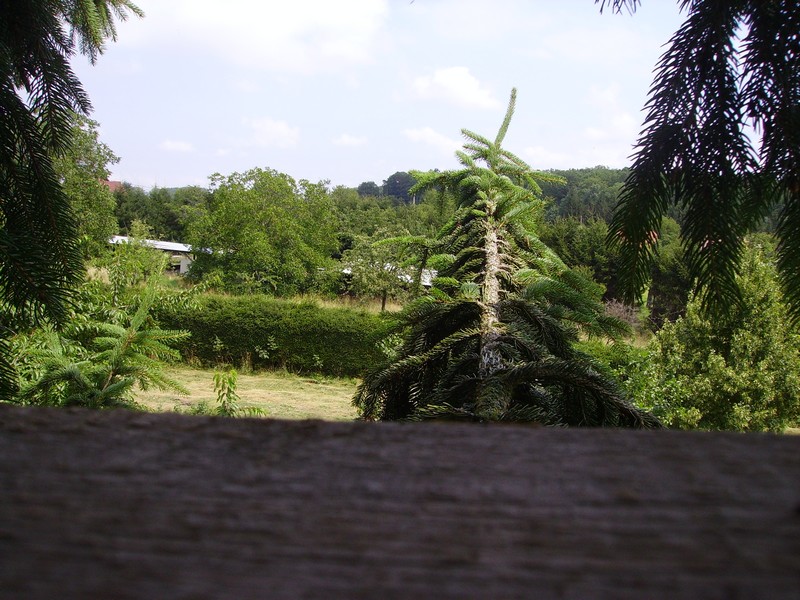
(263, 332)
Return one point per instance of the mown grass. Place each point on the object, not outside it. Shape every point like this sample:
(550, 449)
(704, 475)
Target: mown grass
(279, 395)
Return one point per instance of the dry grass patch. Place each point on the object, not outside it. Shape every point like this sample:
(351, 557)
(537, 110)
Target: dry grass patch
(280, 395)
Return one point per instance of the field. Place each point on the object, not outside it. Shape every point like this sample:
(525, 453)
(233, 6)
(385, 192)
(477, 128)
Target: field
(280, 395)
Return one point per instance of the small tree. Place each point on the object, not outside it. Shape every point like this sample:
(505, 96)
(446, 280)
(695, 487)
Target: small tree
(741, 373)
(374, 270)
(96, 364)
(494, 340)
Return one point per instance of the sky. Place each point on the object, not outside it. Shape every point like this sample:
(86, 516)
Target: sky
(350, 91)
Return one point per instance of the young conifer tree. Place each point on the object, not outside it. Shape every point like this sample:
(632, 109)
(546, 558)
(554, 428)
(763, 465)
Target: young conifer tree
(494, 338)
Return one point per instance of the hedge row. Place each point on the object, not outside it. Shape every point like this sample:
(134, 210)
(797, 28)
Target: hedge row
(262, 333)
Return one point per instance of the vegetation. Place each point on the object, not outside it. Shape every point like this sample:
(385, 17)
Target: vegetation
(731, 69)
(257, 332)
(741, 373)
(265, 232)
(527, 315)
(278, 394)
(96, 364)
(39, 94)
(494, 340)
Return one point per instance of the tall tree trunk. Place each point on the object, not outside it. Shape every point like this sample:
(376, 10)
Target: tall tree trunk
(490, 360)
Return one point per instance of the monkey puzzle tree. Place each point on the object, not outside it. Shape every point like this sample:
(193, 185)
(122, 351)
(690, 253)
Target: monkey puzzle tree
(722, 141)
(39, 94)
(493, 340)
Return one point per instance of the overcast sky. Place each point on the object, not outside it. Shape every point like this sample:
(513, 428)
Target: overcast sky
(355, 90)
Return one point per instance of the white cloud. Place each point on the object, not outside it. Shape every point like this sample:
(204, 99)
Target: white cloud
(426, 135)
(269, 132)
(455, 85)
(302, 35)
(350, 140)
(176, 146)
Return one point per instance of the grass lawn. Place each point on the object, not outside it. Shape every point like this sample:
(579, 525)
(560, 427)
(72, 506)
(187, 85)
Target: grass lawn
(280, 395)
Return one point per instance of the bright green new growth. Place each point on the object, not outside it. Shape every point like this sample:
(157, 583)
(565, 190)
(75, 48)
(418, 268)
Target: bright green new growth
(493, 339)
(96, 364)
(228, 399)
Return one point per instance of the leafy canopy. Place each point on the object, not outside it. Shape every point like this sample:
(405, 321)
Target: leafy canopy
(262, 227)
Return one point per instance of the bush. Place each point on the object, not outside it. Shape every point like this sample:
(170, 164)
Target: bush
(741, 373)
(262, 333)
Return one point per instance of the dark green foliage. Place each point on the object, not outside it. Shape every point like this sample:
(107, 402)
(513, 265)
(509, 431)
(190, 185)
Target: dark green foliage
(167, 212)
(587, 194)
(582, 244)
(739, 373)
(494, 340)
(731, 68)
(670, 282)
(40, 260)
(261, 332)
(368, 188)
(398, 186)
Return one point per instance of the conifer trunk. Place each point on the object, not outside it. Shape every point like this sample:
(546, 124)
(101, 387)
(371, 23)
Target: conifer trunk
(490, 360)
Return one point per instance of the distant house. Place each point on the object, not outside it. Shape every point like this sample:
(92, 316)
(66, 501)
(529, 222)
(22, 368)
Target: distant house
(113, 186)
(180, 254)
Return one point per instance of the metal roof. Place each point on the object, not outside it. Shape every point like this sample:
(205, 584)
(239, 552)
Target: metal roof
(158, 244)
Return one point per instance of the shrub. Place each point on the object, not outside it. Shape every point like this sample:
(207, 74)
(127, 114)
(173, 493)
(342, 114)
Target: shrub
(741, 373)
(262, 332)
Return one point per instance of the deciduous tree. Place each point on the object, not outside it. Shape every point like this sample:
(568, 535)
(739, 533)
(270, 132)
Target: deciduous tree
(265, 229)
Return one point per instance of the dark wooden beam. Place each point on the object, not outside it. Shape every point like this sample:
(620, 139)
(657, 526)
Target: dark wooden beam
(123, 505)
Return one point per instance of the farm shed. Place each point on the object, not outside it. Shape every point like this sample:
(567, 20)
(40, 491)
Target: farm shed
(115, 504)
(180, 254)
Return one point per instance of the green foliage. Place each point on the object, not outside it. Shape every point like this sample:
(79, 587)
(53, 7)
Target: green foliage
(586, 194)
(228, 399)
(263, 227)
(731, 69)
(398, 186)
(168, 212)
(670, 282)
(261, 332)
(495, 338)
(368, 188)
(96, 364)
(374, 271)
(131, 264)
(582, 244)
(40, 259)
(82, 171)
(741, 373)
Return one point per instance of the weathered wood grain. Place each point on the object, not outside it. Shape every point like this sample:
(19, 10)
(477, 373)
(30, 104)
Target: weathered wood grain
(122, 505)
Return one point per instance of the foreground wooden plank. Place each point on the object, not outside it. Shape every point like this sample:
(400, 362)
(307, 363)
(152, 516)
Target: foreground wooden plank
(125, 505)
